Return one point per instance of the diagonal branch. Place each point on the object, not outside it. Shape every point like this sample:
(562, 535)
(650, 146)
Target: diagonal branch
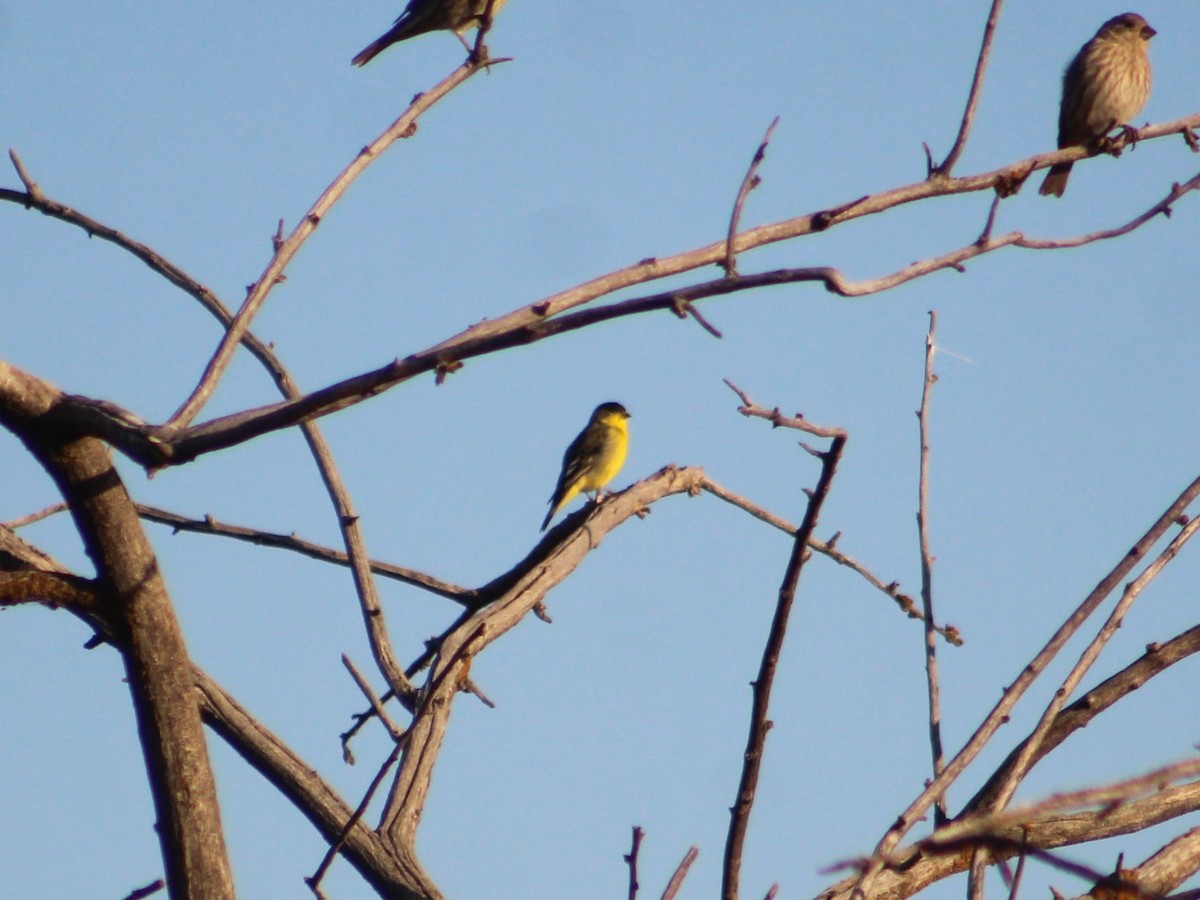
(209, 525)
(1157, 658)
(960, 142)
(999, 713)
(287, 249)
(761, 686)
(1025, 758)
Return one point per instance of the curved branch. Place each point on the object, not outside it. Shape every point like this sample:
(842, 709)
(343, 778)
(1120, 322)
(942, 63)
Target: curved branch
(140, 613)
(287, 249)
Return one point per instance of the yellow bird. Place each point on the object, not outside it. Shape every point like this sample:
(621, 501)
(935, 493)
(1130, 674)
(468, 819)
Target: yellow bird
(594, 457)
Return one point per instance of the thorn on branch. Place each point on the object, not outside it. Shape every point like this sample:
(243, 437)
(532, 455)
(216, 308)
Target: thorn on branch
(277, 238)
(470, 687)
(1189, 138)
(684, 308)
(149, 890)
(824, 218)
(444, 369)
(929, 166)
(539, 610)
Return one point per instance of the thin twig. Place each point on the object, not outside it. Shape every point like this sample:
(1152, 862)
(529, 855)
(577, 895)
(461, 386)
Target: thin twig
(148, 891)
(314, 880)
(749, 183)
(209, 525)
(964, 129)
(827, 549)
(1015, 887)
(759, 724)
(931, 666)
(34, 192)
(46, 513)
(777, 419)
(680, 873)
(394, 730)
(631, 859)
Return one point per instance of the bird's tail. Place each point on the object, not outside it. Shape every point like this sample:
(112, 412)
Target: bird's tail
(1056, 180)
(372, 50)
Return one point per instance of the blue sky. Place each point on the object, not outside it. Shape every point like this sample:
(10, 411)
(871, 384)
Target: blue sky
(1062, 426)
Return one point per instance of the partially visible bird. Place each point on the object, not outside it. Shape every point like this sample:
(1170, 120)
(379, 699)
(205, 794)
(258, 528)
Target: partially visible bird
(1105, 85)
(422, 16)
(594, 457)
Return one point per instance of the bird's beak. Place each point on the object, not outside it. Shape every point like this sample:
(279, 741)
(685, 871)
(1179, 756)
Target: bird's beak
(1148, 32)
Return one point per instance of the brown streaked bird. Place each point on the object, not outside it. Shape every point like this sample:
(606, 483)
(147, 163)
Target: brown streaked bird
(1105, 85)
(423, 16)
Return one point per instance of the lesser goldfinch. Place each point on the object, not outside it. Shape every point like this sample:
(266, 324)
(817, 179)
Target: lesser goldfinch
(594, 457)
(422, 16)
(1105, 85)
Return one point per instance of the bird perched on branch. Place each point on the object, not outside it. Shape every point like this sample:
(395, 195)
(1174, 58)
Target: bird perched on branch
(422, 16)
(1105, 85)
(594, 457)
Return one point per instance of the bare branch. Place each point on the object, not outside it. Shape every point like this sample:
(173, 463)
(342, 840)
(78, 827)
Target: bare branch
(1170, 867)
(960, 142)
(286, 250)
(777, 419)
(209, 525)
(314, 880)
(1028, 674)
(749, 183)
(1024, 761)
(914, 868)
(827, 549)
(140, 613)
(931, 668)
(680, 873)
(631, 859)
(761, 686)
(394, 730)
(158, 447)
(46, 513)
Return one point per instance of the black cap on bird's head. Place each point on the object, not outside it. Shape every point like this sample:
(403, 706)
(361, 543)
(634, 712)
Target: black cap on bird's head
(610, 409)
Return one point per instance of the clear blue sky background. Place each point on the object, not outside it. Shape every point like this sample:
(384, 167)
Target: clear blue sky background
(1065, 424)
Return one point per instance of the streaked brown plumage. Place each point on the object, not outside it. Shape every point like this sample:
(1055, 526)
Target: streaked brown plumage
(422, 16)
(1105, 85)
